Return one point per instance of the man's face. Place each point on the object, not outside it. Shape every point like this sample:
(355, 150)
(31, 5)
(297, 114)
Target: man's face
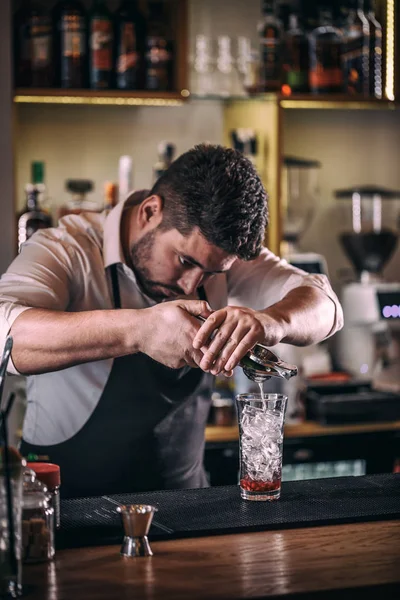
(168, 264)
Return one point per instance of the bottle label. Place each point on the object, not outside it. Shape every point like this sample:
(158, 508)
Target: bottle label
(158, 58)
(297, 80)
(321, 77)
(41, 45)
(158, 53)
(101, 44)
(326, 71)
(73, 36)
(128, 56)
(355, 60)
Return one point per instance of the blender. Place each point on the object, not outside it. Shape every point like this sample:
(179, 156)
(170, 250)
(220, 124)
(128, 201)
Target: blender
(299, 198)
(368, 345)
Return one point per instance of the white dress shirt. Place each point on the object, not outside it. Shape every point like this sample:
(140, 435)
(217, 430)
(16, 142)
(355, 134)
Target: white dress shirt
(66, 269)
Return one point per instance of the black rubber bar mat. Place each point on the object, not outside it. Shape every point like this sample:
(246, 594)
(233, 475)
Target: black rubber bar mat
(219, 510)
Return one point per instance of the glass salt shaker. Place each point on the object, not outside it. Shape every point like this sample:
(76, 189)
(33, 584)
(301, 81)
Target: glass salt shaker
(37, 521)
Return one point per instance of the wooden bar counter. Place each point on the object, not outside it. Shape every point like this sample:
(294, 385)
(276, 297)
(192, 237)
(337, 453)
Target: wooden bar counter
(338, 561)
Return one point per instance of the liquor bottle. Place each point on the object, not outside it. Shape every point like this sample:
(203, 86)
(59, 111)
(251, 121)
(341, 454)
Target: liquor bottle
(110, 195)
(33, 46)
(375, 51)
(356, 53)
(32, 218)
(166, 153)
(158, 55)
(326, 49)
(37, 179)
(70, 44)
(270, 32)
(295, 58)
(130, 28)
(100, 46)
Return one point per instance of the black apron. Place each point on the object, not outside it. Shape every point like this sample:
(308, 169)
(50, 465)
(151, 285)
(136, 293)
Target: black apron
(146, 432)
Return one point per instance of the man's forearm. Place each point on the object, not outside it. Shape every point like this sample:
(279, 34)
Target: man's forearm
(47, 340)
(306, 315)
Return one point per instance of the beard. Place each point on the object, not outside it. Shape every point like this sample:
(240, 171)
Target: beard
(141, 255)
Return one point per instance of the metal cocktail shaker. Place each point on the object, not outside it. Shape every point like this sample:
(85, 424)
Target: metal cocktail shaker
(260, 364)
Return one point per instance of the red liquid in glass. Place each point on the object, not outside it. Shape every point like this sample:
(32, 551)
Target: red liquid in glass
(253, 485)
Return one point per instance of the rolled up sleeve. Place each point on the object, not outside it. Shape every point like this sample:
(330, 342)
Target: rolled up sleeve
(266, 280)
(39, 277)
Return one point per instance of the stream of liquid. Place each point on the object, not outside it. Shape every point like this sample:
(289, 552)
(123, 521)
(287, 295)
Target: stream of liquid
(260, 385)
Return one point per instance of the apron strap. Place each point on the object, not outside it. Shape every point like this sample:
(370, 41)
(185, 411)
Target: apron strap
(115, 286)
(116, 292)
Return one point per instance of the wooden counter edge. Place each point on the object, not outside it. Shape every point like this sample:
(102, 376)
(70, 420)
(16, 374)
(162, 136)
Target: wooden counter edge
(305, 429)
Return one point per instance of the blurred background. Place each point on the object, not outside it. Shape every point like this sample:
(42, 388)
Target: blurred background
(98, 97)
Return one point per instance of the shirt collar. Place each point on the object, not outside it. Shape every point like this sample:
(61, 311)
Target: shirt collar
(112, 249)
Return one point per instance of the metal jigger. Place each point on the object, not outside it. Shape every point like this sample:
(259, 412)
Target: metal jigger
(136, 520)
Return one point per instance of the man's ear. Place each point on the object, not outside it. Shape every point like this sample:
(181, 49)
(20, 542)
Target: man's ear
(150, 212)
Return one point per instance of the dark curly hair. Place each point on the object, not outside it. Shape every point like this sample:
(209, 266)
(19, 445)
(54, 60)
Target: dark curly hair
(219, 191)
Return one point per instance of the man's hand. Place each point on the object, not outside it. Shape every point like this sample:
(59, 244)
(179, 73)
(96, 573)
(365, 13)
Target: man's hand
(239, 329)
(168, 331)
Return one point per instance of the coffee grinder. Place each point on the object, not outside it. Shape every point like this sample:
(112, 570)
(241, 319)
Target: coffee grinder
(368, 345)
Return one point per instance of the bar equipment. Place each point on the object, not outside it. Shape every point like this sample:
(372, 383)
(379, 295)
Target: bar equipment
(37, 521)
(79, 188)
(261, 419)
(368, 345)
(260, 364)
(300, 197)
(136, 520)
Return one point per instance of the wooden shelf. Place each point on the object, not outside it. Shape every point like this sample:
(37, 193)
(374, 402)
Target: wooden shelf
(145, 98)
(335, 102)
(308, 101)
(99, 98)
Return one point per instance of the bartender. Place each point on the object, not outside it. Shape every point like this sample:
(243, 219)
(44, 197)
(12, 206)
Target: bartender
(103, 308)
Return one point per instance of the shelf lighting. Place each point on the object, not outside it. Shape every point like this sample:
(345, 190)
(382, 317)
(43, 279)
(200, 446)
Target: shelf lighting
(97, 100)
(389, 88)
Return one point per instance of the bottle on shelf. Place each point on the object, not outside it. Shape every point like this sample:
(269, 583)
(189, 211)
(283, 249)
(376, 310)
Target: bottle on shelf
(166, 153)
(110, 195)
(326, 50)
(78, 202)
(38, 180)
(295, 58)
(375, 51)
(100, 46)
(32, 218)
(270, 33)
(356, 50)
(158, 51)
(130, 30)
(124, 177)
(70, 44)
(33, 46)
